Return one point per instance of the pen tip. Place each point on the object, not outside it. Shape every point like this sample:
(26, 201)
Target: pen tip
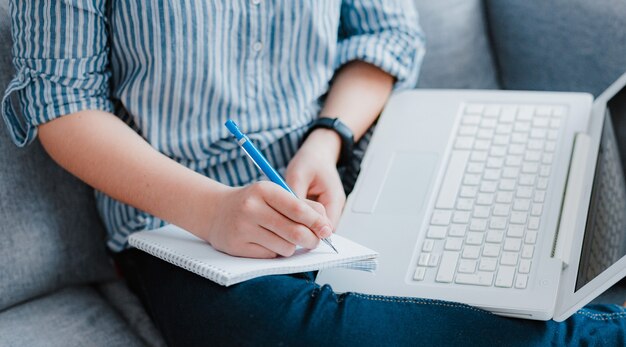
(327, 241)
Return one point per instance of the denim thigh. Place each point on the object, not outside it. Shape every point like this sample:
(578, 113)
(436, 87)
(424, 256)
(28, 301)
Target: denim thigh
(293, 310)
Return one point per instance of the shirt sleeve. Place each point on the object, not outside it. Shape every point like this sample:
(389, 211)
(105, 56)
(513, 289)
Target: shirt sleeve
(385, 33)
(60, 54)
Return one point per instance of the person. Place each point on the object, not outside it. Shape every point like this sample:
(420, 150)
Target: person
(131, 97)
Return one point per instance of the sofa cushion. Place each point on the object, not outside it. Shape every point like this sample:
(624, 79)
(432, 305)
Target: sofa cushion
(128, 306)
(50, 234)
(567, 45)
(75, 316)
(458, 53)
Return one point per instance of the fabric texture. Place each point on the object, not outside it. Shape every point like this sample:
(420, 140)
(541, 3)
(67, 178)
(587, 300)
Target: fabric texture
(292, 310)
(50, 234)
(561, 45)
(75, 316)
(61, 243)
(179, 70)
(6, 69)
(457, 45)
(66, 72)
(128, 306)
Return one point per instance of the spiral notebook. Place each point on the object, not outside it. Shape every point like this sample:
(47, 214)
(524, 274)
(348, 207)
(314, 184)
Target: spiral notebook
(183, 249)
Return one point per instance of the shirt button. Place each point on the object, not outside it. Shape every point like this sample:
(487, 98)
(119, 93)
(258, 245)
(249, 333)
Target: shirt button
(257, 46)
(256, 2)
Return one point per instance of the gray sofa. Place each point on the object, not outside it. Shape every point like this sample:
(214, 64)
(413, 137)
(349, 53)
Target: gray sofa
(57, 284)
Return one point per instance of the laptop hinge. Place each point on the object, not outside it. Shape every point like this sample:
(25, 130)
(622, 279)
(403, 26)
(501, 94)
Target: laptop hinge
(571, 203)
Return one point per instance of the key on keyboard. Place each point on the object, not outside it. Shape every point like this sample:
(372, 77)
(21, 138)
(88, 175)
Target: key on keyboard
(488, 210)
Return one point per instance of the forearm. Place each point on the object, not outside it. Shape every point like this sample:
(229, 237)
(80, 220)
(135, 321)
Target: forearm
(357, 96)
(105, 153)
(260, 220)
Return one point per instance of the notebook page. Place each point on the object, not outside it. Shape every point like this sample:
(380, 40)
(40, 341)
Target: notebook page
(183, 249)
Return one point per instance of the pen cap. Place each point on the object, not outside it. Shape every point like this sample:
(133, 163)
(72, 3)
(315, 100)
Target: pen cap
(232, 127)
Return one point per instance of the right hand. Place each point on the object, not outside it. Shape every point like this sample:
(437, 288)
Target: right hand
(262, 220)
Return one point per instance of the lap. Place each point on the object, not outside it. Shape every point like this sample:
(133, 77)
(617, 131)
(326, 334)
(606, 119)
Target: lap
(292, 309)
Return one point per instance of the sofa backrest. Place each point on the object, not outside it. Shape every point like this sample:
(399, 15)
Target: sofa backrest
(458, 51)
(50, 234)
(566, 45)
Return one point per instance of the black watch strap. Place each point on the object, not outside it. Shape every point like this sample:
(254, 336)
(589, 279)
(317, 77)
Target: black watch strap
(347, 137)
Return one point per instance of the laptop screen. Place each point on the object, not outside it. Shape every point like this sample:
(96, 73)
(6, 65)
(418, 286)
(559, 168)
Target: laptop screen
(604, 242)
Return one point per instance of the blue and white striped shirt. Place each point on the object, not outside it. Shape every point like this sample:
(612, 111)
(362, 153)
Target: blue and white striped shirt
(174, 71)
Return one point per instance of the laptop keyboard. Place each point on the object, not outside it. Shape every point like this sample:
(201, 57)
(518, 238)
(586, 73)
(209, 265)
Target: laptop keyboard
(484, 225)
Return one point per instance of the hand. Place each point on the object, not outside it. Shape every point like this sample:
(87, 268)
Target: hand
(263, 220)
(312, 173)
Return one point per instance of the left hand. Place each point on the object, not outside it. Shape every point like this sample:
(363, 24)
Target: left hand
(312, 173)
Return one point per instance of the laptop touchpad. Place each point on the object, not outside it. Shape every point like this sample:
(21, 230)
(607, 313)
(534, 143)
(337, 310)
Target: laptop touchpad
(396, 185)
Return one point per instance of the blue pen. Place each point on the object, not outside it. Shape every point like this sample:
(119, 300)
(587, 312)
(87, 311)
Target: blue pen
(259, 160)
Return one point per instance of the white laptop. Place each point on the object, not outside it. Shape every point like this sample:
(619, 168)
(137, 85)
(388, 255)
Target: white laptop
(514, 202)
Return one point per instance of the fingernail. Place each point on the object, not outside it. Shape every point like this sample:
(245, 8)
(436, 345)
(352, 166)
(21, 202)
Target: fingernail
(326, 231)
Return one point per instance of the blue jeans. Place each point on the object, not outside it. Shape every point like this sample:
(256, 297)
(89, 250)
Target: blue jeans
(292, 310)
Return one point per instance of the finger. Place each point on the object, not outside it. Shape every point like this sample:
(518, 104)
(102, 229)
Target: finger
(321, 209)
(298, 211)
(333, 202)
(318, 207)
(275, 243)
(288, 230)
(333, 198)
(253, 250)
(298, 183)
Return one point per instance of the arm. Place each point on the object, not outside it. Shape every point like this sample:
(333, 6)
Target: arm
(260, 220)
(104, 152)
(357, 96)
(379, 45)
(62, 90)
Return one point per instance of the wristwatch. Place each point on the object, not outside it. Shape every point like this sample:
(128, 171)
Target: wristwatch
(346, 135)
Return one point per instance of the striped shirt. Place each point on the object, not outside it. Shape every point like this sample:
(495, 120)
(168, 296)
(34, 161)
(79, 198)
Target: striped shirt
(174, 71)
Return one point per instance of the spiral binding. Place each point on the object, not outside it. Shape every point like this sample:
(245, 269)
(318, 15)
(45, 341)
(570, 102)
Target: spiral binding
(167, 254)
(227, 278)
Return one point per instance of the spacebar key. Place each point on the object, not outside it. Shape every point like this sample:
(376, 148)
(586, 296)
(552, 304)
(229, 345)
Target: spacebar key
(452, 179)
